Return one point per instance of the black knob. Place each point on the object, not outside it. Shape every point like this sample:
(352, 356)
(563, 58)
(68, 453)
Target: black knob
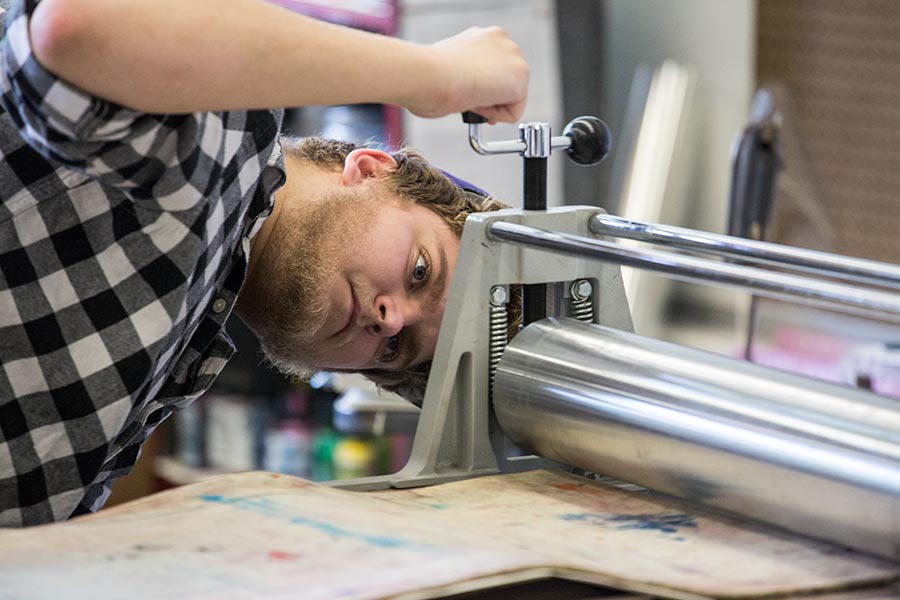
(591, 140)
(473, 118)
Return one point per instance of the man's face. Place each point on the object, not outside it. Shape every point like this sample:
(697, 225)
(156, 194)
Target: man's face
(386, 290)
(368, 278)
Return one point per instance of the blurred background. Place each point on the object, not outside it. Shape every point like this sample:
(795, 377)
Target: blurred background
(805, 92)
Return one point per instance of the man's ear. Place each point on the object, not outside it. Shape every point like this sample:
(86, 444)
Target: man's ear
(363, 163)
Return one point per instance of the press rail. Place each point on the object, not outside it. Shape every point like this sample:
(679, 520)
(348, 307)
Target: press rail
(751, 251)
(822, 294)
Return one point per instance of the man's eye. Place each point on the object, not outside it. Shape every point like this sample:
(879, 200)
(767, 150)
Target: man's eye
(391, 349)
(422, 268)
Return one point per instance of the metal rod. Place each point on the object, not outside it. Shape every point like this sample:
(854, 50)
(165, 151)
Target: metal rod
(534, 197)
(534, 184)
(507, 146)
(714, 430)
(499, 147)
(810, 261)
(780, 286)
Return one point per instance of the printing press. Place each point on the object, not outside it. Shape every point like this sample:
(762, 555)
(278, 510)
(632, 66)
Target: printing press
(624, 467)
(576, 389)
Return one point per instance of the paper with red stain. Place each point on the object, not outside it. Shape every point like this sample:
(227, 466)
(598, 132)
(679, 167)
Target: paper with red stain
(259, 535)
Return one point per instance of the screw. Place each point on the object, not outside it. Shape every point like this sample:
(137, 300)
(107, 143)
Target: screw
(498, 295)
(581, 289)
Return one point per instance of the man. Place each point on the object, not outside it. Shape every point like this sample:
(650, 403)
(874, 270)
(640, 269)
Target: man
(141, 167)
(355, 278)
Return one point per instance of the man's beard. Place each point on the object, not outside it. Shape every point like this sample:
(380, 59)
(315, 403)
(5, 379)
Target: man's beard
(302, 258)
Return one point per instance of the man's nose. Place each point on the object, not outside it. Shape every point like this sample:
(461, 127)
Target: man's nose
(392, 314)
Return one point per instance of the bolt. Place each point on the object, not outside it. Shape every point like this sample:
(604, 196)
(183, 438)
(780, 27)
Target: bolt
(581, 289)
(498, 295)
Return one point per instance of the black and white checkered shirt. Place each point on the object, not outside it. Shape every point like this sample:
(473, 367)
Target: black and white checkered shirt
(123, 244)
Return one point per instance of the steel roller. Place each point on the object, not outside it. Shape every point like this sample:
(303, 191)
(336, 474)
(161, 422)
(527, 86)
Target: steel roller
(812, 457)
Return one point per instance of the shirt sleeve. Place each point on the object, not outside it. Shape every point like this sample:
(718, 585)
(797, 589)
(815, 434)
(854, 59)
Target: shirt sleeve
(150, 156)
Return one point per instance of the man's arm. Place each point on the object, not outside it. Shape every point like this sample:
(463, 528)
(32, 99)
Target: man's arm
(175, 56)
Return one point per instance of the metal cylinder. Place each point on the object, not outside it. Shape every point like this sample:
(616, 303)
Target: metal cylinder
(537, 138)
(811, 457)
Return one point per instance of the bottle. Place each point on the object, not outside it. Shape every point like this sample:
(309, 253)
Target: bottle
(355, 457)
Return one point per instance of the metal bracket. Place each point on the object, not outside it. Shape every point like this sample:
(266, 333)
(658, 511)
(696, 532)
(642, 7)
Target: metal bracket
(457, 436)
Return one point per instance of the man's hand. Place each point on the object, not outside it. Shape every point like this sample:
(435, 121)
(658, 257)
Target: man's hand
(484, 71)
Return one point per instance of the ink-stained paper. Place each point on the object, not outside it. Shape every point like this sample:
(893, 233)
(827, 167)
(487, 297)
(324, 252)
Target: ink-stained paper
(262, 535)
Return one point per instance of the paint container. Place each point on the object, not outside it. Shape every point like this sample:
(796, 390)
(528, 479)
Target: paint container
(288, 449)
(355, 457)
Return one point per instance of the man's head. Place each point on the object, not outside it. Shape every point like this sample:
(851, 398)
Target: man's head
(352, 270)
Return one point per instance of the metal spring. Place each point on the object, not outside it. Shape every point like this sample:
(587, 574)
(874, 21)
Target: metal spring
(497, 340)
(583, 310)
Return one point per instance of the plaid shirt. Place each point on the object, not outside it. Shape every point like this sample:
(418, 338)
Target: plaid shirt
(123, 245)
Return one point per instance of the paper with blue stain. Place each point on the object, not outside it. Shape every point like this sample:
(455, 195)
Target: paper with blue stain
(259, 535)
(268, 508)
(662, 523)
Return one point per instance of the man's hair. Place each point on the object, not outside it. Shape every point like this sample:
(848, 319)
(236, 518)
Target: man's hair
(414, 180)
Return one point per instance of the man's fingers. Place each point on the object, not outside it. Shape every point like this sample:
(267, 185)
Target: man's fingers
(501, 113)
